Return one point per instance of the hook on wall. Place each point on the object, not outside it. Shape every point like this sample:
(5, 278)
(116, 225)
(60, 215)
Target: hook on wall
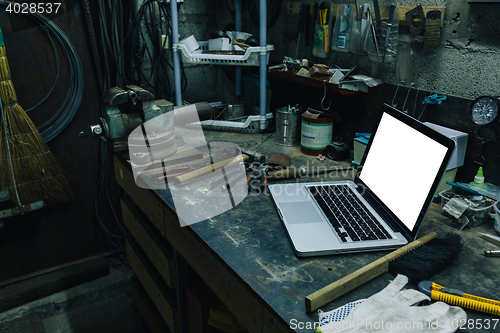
(406, 99)
(395, 94)
(324, 96)
(415, 104)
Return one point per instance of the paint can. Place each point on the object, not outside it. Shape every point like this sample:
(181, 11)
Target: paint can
(316, 134)
(234, 111)
(287, 125)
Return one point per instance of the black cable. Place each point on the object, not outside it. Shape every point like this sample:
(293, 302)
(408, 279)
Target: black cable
(154, 15)
(93, 43)
(102, 182)
(60, 120)
(56, 60)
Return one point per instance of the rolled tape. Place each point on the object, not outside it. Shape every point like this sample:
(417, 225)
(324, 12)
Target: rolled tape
(191, 43)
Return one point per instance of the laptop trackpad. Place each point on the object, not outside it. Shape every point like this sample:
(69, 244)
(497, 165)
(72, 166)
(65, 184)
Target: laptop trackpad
(299, 212)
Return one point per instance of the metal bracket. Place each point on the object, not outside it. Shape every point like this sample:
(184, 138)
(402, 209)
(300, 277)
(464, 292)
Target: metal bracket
(414, 16)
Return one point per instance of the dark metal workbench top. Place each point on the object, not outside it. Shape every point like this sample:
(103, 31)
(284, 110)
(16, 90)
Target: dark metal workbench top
(251, 240)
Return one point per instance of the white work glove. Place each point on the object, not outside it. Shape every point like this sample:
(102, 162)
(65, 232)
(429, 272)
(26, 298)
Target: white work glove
(393, 310)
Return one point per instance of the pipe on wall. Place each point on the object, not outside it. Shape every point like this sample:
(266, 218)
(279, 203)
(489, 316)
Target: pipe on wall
(237, 9)
(177, 64)
(263, 62)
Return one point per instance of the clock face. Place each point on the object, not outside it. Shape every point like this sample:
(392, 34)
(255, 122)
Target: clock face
(485, 110)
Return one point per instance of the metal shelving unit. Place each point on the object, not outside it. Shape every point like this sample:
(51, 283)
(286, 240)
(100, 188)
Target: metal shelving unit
(250, 58)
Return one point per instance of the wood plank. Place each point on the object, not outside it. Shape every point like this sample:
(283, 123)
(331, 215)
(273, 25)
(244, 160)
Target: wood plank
(150, 242)
(366, 273)
(31, 323)
(31, 287)
(153, 284)
(293, 9)
(151, 207)
(340, 287)
(199, 299)
(149, 313)
(226, 285)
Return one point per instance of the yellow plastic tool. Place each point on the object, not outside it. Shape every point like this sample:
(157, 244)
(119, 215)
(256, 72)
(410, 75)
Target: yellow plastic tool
(459, 298)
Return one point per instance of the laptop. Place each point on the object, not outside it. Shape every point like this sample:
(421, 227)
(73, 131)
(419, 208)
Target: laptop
(383, 208)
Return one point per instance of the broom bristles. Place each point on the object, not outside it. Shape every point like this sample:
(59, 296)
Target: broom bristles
(38, 174)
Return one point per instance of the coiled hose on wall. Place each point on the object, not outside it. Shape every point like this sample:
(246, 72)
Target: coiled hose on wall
(67, 111)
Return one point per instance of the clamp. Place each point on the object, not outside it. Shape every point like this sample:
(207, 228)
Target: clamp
(119, 117)
(434, 99)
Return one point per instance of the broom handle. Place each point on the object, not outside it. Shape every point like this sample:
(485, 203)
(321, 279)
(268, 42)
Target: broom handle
(8, 152)
(361, 276)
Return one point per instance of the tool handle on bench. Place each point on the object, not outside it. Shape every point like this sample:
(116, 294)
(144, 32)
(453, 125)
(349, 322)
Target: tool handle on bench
(208, 169)
(350, 282)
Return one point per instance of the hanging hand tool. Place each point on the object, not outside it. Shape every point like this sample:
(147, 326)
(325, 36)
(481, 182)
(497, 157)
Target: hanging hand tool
(388, 31)
(303, 16)
(315, 16)
(378, 19)
(374, 35)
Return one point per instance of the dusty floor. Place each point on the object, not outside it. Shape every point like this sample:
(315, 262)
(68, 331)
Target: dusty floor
(102, 305)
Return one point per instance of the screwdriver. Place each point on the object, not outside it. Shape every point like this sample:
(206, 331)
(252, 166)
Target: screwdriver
(303, 14)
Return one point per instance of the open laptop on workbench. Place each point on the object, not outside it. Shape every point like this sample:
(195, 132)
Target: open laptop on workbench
(383, 208)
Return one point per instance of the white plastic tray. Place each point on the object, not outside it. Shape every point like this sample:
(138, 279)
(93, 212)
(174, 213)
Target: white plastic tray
(249, 58)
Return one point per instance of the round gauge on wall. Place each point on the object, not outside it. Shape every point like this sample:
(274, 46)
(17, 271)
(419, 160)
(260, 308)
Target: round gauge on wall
(484, 110)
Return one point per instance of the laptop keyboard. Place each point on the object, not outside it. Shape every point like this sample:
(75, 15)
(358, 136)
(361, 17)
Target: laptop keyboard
(347, 214)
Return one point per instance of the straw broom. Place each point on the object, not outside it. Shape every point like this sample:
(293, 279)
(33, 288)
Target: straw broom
(31, 166)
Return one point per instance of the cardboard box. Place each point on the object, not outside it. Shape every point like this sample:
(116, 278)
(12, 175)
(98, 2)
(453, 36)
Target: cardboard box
(460, 138)
(359, 146)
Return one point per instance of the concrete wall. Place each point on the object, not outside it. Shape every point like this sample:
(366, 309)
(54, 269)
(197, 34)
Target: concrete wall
(465, 64)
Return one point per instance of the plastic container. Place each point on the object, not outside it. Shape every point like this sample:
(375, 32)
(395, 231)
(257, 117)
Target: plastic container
(200, 57)
(323, 30)
(360, 30)
(476, 216)
(496, 224)
(342, 30)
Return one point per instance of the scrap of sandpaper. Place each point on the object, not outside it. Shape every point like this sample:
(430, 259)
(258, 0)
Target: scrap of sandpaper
(431, 34)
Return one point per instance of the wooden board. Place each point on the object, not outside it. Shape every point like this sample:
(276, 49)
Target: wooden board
(293, 9)
(31, 323)
(153, 284)
(31, 287)
(149, 313)
(199, 299)
(142, 197)
(228, 288)
(150, 241)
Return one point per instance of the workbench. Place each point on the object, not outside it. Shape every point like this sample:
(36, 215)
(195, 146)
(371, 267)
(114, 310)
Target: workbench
(244, 256)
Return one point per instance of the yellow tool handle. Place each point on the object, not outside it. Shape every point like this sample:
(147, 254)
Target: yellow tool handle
(467, 301)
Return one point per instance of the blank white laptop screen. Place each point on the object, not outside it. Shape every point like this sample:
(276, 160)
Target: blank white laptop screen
(401, 178)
